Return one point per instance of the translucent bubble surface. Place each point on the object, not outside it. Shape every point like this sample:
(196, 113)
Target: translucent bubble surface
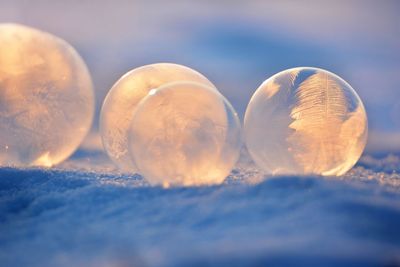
(305, 120)
(46, 97)
(185, 134)
(121, 101)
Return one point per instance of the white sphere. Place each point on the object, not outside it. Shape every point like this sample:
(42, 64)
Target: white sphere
(185, 133)
(121, 101)
(305, 121)
(46, 97)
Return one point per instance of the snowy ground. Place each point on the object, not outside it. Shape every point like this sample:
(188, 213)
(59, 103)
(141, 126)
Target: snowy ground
(84, 213)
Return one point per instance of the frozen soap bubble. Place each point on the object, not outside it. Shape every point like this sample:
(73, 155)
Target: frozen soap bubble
(121, 101)
(305, 121)
(185, 133)
(46, 97)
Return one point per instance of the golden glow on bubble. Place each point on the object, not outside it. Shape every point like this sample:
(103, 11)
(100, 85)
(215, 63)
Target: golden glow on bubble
(43, 160)
(305, 120)
(185, 134)
(121, 101)
(46, 97)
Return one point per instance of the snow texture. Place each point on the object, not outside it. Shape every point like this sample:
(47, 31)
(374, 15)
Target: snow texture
(84, 213)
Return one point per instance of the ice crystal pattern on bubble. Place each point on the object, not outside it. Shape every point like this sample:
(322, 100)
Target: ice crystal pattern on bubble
(305, 120)
(46, 97)
(185, 134)
(123, 98)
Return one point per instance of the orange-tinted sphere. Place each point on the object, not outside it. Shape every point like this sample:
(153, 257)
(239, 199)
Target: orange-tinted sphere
(305, 121)
(123, 98)
(185, 133)
(46, 97)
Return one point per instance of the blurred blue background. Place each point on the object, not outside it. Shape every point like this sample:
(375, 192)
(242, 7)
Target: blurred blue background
(236, 44)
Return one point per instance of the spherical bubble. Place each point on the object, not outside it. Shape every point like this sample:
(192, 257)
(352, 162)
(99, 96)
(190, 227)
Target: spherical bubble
(185, 133)
(121, 101)
(46, 97)
(305, 121)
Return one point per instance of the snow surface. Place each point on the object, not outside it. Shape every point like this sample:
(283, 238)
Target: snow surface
(85, 213)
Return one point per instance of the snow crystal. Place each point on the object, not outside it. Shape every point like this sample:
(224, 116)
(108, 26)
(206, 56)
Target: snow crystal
(85, 213)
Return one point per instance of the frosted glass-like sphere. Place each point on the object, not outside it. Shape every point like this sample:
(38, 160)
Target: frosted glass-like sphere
(121, 101)
(46, 97)
(185, 134)
(305, 121)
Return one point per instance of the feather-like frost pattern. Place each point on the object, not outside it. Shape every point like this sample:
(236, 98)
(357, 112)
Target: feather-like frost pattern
(320, 108)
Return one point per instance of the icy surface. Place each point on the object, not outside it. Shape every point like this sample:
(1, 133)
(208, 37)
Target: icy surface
(85, 213)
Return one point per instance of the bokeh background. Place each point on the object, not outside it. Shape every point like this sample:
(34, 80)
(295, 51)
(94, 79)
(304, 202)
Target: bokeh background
(236, 44)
